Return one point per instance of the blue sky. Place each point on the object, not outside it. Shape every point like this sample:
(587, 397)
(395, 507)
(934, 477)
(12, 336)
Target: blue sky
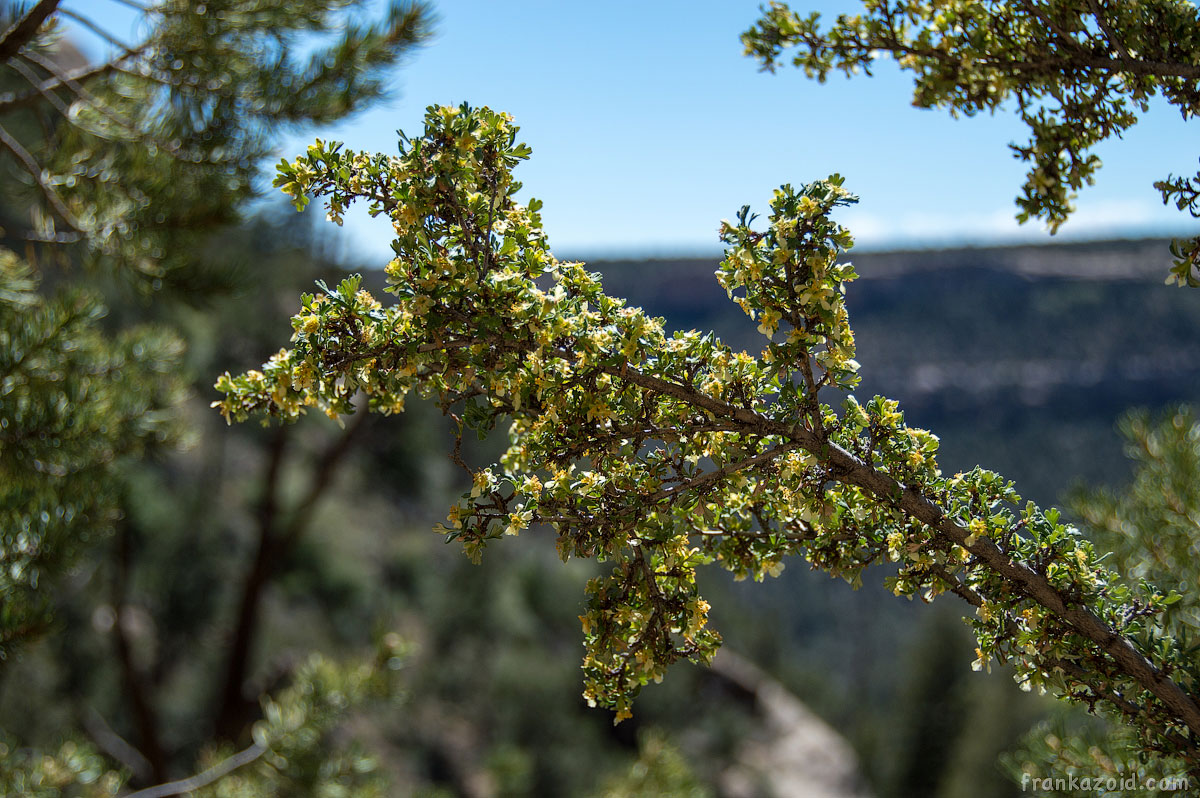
(649, 126)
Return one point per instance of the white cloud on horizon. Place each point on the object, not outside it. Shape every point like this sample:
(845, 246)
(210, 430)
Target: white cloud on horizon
(1093, 220)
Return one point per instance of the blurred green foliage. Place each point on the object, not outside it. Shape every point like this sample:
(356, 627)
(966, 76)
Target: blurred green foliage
(76, 406)
(659, 772)
(1152, 525)
(117, 175)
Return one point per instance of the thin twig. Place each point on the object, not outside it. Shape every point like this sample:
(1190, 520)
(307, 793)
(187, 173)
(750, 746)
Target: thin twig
(766, 456)
(35, 171)
(116, 746)
(215, 772)
(94, 102)
(1116, 40)
(12, 100)
(132, 4)
(33, 80)
(98, 30)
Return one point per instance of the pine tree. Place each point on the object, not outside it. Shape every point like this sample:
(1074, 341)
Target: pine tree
(116, 175)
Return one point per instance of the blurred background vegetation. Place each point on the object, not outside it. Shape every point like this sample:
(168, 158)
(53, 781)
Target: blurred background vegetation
(176, 591)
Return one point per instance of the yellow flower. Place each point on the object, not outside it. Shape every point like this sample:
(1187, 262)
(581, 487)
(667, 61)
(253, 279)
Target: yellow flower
(518, 521)
(483, 481)
(976, 527)
(599, 412)
(697, 614)
(770, 322)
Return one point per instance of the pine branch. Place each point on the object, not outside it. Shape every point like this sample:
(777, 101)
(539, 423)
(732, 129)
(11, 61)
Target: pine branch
(27, 162)
(10, 101)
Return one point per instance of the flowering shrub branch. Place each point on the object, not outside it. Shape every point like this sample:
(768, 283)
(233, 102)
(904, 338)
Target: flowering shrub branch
(663, 453)
(1077, 72)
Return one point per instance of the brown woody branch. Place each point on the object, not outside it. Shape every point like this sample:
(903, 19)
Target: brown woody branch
(24, 29)
(233, 706)
(847, 468)
(1031, 62)
(143, 710)
(276, 538)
